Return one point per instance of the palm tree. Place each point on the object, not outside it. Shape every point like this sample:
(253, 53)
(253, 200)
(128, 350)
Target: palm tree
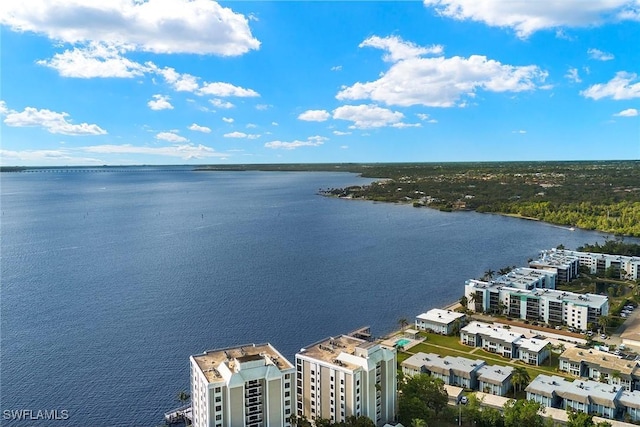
(403, 322)
(417, 422)
(183, 397)
(488, 274)
(520, 378)
(604, 322)
(475, 298)
(616, 376)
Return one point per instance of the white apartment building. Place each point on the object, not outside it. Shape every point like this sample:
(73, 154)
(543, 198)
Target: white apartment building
(346, 376)
(628, 266)
(565, 266)
(601, 366)
(544, 305)
(245, 386)
(440, 321)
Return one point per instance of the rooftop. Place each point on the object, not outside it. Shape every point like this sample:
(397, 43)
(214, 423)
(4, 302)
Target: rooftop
(603, 359)
(579, 391)
(522, 278)
(232, 357)
(494, 374)
(444, 365)
(486, 329)
(533, 345)
(438, 315)
(330, 350)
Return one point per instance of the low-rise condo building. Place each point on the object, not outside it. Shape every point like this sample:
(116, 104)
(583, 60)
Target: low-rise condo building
(494, 379)
(505, 343)
(245, 386)
(601, 366)
(588, 396)
(347, 376)
(543, 305)
(441, 321)
(457, 371)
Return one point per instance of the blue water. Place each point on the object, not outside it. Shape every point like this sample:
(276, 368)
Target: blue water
(111, 280)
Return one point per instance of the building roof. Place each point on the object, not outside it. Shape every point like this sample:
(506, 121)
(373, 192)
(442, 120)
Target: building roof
(522, 278)
(578, 391)
(494, 374)
(343, 351)
(460, 366)
(233, 357)
(533, 345)
(630, 399)
(607, 361)
(437, 315)
(632, 331)
(491, 331)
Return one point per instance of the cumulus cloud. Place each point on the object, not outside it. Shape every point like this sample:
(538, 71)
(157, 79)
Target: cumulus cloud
(198, 128)
(183, 151)
(442, 82)
(599, 55)
(336, 68)
(341, 133)
(314, 116)
(620, 87)
(160, 102)
(45, 157)
(159, 26)
(367, 116)
(180, 82)
(629, 112)
(51, 121)
(227, 120)
(95, 60)
(171, 137)
(312, 141)
(263, 107)
(225, 90)
(572, 74)
(219, 103)
(241, 135)
(398, 49)
(527, 17)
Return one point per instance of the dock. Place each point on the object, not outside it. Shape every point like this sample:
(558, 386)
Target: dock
(181, 415)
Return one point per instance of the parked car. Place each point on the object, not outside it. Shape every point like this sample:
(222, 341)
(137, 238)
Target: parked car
(464, 400)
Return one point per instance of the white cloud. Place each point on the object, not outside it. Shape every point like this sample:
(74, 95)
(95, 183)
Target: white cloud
(159, 26)
(599, 55)
(171, 137)
(227, 120)
(274, 124)
(226, 89)
(219, 103)
(572, 74)
(422, 116)
(95, 60)
(52, 121)
(180, 82)
(336, 68)
(314, 116)
(398, 49)
(527, 17)
(251, 126)
(312, 141)
(629, 112)
(620, 87)
(241, 135)
(521, 132)
(367, 116)
(198, 128)
(3, 107)
(344, 147)
(183, 151)
(442, 82)
(263, 107)
(341, 133)
(406, 125)
(160, 102)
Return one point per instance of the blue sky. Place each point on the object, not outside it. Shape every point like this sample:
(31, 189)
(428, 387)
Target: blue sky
(200, 82)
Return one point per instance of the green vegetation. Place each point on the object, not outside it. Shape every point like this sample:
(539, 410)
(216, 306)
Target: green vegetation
(613, 247)
(601, 196)
(422, 398)
(351, 421)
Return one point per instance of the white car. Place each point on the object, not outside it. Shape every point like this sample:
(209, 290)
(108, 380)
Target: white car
(464, 400)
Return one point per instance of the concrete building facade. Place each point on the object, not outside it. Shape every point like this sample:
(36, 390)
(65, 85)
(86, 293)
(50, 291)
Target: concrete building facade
(601, 366)
(245, 386)
(346, 376)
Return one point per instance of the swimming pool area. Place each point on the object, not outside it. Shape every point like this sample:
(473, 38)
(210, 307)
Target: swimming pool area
(402, 342)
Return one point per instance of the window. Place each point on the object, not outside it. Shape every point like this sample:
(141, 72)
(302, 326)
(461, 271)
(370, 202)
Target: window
(287, 393)
(218, 390)
(218, 399)
(219, 408)
(219, 417)
(287, 385)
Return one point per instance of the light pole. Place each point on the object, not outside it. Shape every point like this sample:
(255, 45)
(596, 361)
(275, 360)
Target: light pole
(459, 414)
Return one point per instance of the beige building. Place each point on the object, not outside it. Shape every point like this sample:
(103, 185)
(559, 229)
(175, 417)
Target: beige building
(344, 376)
(246, 386)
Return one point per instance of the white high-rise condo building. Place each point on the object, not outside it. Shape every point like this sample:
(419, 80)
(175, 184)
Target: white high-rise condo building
(346, 376)
(245, 386)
